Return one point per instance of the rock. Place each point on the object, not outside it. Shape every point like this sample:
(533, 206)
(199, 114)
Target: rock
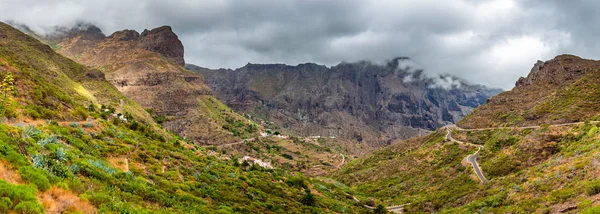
(164, 41)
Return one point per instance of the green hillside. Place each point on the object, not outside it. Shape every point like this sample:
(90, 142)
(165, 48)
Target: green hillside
(540, 170)
(71, 143)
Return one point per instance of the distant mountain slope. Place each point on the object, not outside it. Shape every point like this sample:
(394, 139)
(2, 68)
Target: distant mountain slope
(362, 101)
(564, 89)
(148, 68)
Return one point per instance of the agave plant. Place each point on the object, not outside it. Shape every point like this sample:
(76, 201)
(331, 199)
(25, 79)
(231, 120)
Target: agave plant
(61, 155)
(39, 161)
(31, 132)
(46, 141)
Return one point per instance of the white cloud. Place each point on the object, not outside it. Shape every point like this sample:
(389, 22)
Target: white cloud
(488, 41)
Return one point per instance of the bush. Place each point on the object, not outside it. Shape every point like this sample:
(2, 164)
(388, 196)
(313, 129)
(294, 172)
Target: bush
(380, 209)
(593, 188)
(297, 181)
(35, 176)
(308, 199)
(29, 207)
(5, 205)
(81, 113)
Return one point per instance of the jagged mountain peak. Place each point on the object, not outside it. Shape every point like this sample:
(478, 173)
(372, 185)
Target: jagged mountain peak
(563, 89)
(79, 39)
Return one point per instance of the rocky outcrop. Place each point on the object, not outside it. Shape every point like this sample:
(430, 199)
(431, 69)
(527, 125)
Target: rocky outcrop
(162, 40)
(560, 90)
(361, 101)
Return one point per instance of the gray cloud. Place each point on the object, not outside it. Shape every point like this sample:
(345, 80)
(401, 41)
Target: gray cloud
(491, 42)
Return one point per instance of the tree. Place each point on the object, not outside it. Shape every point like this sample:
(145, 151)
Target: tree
(8, 90)
(380, 209)
(308, 199)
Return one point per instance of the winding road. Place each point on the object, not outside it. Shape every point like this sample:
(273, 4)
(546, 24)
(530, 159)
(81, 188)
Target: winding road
(472, 159)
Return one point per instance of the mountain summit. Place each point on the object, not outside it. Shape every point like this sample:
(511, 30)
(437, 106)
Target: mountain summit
(560, 90)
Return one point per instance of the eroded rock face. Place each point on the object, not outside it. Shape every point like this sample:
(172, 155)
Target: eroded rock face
(361, 101)
(162, 40)
(558, 71)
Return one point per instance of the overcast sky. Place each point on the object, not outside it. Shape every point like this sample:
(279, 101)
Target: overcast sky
(491, 42)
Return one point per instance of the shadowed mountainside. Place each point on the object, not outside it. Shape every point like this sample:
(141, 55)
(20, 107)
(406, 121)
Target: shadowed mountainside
(362, 101)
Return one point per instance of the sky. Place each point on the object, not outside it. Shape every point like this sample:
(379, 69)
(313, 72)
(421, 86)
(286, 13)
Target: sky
(490, 42)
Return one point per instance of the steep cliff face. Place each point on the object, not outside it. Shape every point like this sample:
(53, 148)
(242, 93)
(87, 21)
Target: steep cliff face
(561, 90)
(362, 101)
(147, 68)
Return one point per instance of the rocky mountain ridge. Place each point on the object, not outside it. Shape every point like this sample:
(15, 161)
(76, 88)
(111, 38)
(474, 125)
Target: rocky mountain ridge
(560, 90)
(363, 101)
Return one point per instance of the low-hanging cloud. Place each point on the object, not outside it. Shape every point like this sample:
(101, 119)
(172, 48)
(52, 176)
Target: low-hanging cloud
(415, 73)
(490, 42)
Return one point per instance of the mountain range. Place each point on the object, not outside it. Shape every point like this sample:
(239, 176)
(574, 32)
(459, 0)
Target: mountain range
(367, 102)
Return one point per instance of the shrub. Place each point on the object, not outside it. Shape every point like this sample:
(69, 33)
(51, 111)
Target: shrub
(561, 195)
(308, 199)
(380, 209)
(81, 113)
(297, 181)
(286, 156)
(35, 176)
(29, 207)
(593, 188)
(5, 205)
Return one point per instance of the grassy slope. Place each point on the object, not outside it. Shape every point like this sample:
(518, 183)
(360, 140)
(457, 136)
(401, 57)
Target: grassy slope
(164, 173)
(541, 170)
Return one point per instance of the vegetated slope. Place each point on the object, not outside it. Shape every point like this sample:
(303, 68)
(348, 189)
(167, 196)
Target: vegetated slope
(546, 168)
(313, 157)
(148, 68)
(60, 152)
(564, 89)
(552, 169)
(362, 101)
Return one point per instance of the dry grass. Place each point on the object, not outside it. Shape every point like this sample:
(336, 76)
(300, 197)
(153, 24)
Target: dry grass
(57, 200)
(9, 175)
(121, 163)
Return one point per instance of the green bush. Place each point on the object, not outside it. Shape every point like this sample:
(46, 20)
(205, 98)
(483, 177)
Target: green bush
(592, 210)
(308, 199)
(380, 209)
(35, 176)
(561, 195)
(29, 207)
(5, 205)
(593, 187)
(297, 181)
(24, 196)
